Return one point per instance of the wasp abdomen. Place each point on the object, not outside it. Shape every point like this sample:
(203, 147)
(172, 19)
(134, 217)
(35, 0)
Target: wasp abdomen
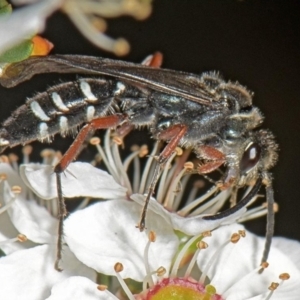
(60, 109)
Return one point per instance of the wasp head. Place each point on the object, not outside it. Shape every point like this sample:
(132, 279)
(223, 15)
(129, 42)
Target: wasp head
(250, 158)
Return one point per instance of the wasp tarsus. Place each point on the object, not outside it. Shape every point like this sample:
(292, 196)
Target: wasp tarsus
(213, 117)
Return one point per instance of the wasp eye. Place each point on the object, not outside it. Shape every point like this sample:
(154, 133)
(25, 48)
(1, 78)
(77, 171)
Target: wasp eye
(250, 157)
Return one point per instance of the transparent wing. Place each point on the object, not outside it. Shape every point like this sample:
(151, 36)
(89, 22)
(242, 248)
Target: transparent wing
(177, 83)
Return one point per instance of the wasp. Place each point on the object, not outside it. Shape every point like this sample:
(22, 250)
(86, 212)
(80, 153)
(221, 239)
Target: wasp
(213, 117)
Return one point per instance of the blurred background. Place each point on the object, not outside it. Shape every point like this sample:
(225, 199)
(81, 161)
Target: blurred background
(254, 42)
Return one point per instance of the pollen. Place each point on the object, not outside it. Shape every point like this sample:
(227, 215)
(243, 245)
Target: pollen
(242, 233)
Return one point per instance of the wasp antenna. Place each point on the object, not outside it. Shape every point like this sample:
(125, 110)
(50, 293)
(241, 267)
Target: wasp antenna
(239, 205)
(270, 221)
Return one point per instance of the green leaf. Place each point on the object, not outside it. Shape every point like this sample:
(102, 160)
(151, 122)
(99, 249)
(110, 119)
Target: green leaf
(5, 8)
(18, 53)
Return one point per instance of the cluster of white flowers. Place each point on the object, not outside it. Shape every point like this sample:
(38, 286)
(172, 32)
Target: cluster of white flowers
(179, 255)
(102, 238)
(88, 16)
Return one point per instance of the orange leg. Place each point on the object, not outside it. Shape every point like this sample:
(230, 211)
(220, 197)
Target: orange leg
(215, 159)
(174, 134)
(69, 156)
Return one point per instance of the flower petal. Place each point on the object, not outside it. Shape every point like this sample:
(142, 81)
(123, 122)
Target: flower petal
(30, 273)
(233, 271)
(188, 225)
(105, 233)
(77, 288)
(80, 179)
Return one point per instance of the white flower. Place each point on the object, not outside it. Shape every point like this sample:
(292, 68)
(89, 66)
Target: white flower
(230, 270)
(87, 15)
(27, 271)
(104, 235)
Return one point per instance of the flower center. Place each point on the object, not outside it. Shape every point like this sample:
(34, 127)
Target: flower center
(181, 289)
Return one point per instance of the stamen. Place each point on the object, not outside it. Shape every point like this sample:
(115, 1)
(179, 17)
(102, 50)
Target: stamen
(4, 159)
(48, 156)
(180, 194)
(13, 159)
(96, 142)
(200, 245)
(123, 176)
(19, 238)
(85, 26)
(253, 213)
(213, 205)
(27, 150)
(198, 184)
(272, 288)
(188, 208)
(12, 196)
(284, 276)
(119, 268)
(181, 254)
(168, 203)
(233, 239)
(147, 169)
(109, 155)
(151, 239)
(165, 178)
(161, 271)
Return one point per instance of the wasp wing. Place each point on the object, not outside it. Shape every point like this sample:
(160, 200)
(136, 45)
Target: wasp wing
(168, 81)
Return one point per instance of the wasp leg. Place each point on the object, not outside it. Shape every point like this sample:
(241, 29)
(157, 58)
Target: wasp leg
(72, 152)
(174, 135)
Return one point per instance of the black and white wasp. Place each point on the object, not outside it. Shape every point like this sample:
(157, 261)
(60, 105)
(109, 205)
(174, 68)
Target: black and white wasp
(214, 118)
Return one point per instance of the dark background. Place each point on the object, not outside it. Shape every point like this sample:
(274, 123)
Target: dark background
(254, 42)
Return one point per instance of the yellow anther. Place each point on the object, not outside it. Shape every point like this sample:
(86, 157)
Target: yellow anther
(235, 238)
(16, 189)
(95, 141)
(3, 176)
(161, 271)
(134, 148)
(118, 140)
(121, 47)
(273, 286)
(152, 236)
(143, 151)
(242, 233)
(13, 157)
(178, 151)
(4, 159)
(206, 233)
(118, 267)
(102, 287)
(202, 245)
(22, 238)
(284, 276)
(264, 264)
(188, 165)
(46, 153)
(27, 150)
